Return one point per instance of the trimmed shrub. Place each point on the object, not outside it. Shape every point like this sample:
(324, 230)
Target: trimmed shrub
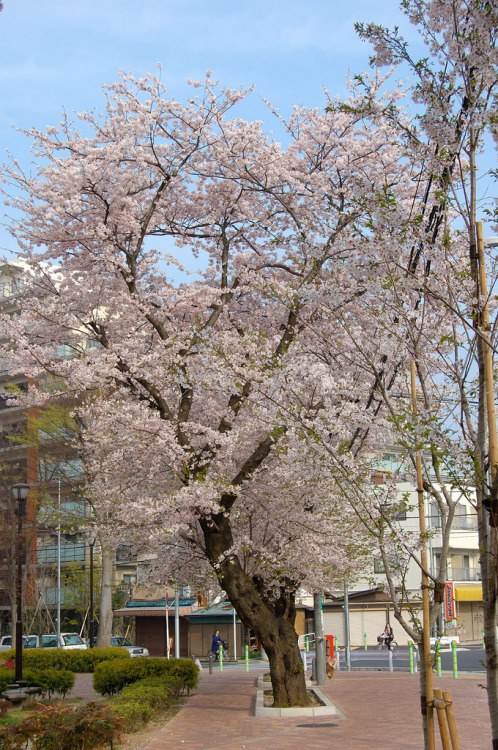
(171, 683)
(77, 660)
(156, 697)
(132, 714)
(7, 677)
(49, 680)
(111, 677)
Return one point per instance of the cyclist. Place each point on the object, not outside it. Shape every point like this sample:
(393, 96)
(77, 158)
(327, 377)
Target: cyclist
(215, 646)
(388, 636)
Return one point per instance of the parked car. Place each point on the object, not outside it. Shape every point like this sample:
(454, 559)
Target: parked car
(119, 640)
(67, 641)
(28, 641)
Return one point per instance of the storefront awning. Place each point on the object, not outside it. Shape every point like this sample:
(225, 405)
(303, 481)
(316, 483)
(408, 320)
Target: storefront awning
(468, 592)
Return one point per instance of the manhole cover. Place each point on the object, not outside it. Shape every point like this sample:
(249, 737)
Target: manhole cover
(314, 726)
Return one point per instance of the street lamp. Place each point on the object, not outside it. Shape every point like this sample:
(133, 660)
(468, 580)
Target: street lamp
(20, 493)
(92, 538)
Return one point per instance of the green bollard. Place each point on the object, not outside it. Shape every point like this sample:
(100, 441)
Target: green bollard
(247, 657)
(221, 657)
(438, 658)
(410, 656)
(454, 659)
(365, 641)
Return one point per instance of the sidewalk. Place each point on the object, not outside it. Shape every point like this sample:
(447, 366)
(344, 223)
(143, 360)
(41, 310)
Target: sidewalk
(381, 709)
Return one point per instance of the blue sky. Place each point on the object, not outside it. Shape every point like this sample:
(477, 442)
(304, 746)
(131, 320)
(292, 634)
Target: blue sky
(58, 53)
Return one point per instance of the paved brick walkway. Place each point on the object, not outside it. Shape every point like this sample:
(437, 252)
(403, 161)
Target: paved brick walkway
(83, 688)
(382, 711)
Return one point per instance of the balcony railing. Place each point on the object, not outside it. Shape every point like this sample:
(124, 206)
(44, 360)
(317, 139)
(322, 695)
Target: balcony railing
(463, 574)
(460, 523)
(10, 288)
(70, 596)
(124, 554)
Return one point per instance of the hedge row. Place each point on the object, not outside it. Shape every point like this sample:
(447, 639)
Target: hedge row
(77, 660)
(140, 702)
(110, 678)
(51, 681)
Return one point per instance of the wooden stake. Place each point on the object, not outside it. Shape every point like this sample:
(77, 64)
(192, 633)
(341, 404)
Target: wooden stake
(441, 717)
(455, 742)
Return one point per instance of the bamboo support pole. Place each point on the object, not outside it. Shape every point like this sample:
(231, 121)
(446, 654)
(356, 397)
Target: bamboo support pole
(426, 701)
(440, 706)
(450, 715)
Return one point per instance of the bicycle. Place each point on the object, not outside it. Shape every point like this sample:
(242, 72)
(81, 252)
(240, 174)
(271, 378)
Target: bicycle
(227, 656)
(382, 644)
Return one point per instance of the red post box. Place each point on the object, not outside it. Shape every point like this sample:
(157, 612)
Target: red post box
(329, 646)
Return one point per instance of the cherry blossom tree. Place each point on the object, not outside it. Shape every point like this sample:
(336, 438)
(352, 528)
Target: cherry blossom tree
(217, 424)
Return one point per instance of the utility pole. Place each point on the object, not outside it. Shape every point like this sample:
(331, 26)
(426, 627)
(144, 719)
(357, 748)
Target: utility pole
(177, 620)
(321, 674)
(58, 591)
(347, 629)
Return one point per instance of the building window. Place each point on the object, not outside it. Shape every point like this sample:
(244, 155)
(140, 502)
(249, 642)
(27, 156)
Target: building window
(434, 516)
(379, 566)
(129, 578)
(65, 351)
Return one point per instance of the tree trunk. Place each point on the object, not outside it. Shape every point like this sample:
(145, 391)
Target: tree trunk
(105, 618)
(423, 692)
(487, 533)
(286, 666)
(270, 615)
(488, 547)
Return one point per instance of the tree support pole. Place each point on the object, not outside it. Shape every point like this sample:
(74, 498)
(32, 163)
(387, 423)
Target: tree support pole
(427, 699)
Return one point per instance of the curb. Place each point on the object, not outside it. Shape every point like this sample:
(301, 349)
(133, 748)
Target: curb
(327, 709)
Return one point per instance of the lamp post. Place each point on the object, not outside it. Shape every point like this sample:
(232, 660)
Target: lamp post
(58, 591)
(20, 493)
(92, 538)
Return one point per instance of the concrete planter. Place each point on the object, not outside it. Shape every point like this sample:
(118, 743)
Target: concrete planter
(327, 709)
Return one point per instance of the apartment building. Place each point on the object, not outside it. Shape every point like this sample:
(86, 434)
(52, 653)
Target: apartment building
(56, 547)
(370, 604)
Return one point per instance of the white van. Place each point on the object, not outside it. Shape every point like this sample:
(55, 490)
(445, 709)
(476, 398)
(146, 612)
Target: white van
(67, 641)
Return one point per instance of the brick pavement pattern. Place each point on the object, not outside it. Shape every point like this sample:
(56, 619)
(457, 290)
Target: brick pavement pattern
(381, 709)
(83, 688)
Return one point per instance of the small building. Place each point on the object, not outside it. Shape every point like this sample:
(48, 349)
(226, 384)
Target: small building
(153, 619)
(155, 622)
